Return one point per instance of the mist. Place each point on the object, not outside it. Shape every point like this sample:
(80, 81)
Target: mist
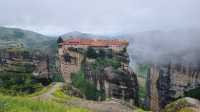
(56, 17)
(180, 46)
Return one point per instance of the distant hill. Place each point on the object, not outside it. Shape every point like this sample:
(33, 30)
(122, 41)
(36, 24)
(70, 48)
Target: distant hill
(77, 34)
(14, 37)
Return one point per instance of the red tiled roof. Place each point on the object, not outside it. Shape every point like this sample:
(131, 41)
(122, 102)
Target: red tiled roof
(95, 42)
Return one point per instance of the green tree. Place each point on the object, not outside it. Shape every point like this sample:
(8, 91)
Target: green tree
(91, 53)
(86, 87)
(102, 53)
(18, 83)
(60, 40)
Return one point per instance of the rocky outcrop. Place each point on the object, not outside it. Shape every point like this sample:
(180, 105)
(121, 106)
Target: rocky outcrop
(172, 82)
(120, 84)
(23, 61)
(183, 105)
(152, 98)
(115, 81)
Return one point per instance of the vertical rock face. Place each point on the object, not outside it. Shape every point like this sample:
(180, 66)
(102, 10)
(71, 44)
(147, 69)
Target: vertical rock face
(163, 86)
(152, 91)
(120, 84)
(70, 62)
(115, 81)
(173, 81)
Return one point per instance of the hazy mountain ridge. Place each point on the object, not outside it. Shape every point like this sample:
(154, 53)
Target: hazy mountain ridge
(14, 37)
(77, 34)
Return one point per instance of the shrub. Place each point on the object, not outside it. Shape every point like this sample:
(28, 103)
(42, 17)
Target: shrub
(86, 88)
(194, 93)
(18, 83)
(102, 53)
(3, 106)
(108, 62)
(176, 106)
(91, 53)
(57, 77)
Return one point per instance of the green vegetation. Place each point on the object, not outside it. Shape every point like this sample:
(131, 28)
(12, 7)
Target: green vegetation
(21, 67)
(142, 91)
(86, 88)
(40, 92)
(22, 38)
(142, 70)
(105, 62)
(21, 104)
(177, 106)
(99, 53)
(59, 93)
(16, 77)
(57, 77)
(91, 53)
(140, 110)
(101, 60)
(186, 110)
(194, 93)
(18, 83)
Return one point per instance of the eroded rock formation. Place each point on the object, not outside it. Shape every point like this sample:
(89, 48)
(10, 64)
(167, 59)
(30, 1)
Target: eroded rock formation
(23, 61)
(172, 81)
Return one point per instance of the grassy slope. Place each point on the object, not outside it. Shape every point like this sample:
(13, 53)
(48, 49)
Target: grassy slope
(60, 95)
(21, 104)
(31, 103)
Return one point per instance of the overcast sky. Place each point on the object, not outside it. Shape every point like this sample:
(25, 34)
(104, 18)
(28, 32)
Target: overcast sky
(99, 16)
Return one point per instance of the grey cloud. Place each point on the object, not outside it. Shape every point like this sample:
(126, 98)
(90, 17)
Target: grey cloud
(159, 47)
(99, 16)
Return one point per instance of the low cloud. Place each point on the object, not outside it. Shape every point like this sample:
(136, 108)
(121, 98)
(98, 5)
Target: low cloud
(163, 47)
(99, 16)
